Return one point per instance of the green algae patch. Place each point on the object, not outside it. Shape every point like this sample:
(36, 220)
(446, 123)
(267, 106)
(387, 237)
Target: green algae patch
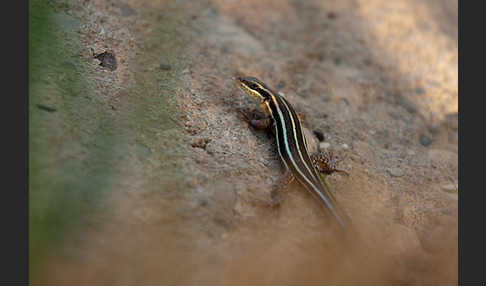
(70, 150)
(82, 151)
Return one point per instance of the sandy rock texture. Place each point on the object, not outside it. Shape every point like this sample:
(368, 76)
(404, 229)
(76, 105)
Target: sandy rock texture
(147, 174)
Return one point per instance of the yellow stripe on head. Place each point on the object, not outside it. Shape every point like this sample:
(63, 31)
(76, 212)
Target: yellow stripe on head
(256, 89)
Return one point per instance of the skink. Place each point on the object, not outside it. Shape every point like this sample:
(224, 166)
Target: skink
(291, 143)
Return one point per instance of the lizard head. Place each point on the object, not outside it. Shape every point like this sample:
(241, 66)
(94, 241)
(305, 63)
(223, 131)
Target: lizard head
(255, 88)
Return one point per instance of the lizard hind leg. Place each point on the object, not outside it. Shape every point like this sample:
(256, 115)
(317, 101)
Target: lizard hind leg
(326, 163)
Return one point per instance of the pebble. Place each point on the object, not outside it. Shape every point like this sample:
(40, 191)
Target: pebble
(449, 188)
(345, 146)
(419, 90)
(425, 140)
(395, 172)
(324, 145)
(107, 60)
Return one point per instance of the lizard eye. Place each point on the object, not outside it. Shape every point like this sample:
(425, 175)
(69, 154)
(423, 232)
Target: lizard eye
(252, 85)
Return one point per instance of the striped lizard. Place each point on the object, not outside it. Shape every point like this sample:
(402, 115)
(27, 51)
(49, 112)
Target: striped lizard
(292, 145)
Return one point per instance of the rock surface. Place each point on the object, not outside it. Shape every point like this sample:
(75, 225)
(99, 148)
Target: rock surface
(147, 174)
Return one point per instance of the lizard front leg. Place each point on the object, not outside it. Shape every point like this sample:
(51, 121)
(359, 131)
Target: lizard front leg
(258, 123)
